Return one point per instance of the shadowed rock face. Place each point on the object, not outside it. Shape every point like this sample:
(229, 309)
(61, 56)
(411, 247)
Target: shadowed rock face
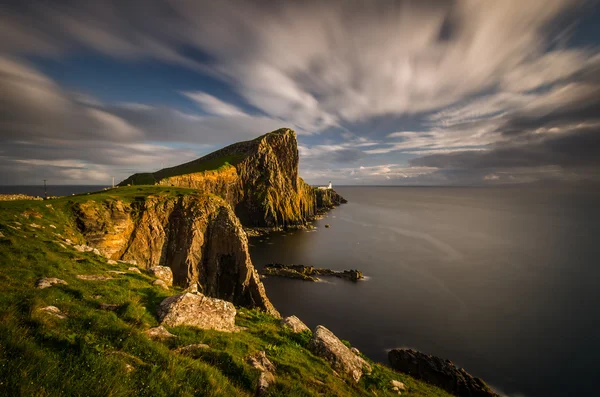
(438, 372)
(197, 236)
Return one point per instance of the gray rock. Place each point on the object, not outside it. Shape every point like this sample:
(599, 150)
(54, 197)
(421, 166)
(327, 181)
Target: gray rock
(197, 310)
(159, 332)
(163, 273)
(191, 349)
(53, 311)
(47, 282)
(438, 372)
(266, 368)
(295, 324)
(326, 345)
(355, 350)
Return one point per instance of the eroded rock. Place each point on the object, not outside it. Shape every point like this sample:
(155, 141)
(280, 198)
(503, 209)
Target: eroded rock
(93, 277)
(326, 345)
(438, 372)
(134, 270)
(191, 349)
(48, 282)
(197, 310)
(294, 323)
(161, 284)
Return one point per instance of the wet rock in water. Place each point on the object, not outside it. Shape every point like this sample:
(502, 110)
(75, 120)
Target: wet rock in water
(53, 311)
(159, 332)
(309, 273)
(327, 225)
(438, 372)
(161, 284)
(295, 324)
(266, 368)
(163, 273)
(47, 282)
(197, 310)
(326, 345)
(93, 277)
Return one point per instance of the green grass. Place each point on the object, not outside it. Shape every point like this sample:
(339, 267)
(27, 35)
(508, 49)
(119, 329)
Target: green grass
(215, 164)
(87, 353)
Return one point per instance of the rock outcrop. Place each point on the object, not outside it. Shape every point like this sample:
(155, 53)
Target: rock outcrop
(438, 372)
(197, 310)
(198, 237)
(309, 273)
(326, 345)
(294, 324)
(162, 273)
(258, 178)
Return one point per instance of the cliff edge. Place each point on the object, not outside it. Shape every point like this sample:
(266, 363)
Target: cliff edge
(258, 178)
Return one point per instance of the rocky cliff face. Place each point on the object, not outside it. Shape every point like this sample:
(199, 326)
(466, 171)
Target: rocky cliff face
(197, 236)
(258, 178)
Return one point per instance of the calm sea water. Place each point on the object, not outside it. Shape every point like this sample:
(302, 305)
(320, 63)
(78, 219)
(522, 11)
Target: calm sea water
(502, 281)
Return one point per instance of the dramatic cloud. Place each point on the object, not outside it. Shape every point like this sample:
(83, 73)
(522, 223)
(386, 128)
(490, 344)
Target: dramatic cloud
(446, 91)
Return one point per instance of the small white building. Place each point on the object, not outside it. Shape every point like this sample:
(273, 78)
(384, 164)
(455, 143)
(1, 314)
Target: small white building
(328, 187)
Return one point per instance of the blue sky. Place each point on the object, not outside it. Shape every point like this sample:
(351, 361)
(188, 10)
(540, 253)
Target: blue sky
(390, 92)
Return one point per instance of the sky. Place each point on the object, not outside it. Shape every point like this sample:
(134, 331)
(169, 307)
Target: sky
(464, 92)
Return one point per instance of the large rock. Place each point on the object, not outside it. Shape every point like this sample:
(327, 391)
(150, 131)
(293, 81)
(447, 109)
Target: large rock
(438, 372)
(163, 273)
(326, 345)
(294, 324)
(197, 310)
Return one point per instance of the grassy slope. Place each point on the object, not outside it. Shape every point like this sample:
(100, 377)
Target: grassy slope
(86, 354)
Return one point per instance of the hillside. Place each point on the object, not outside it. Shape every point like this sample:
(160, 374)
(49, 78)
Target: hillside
(258, 178)
(94, 341)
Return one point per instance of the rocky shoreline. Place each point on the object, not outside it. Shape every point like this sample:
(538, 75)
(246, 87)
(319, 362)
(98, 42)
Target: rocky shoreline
(309, 273)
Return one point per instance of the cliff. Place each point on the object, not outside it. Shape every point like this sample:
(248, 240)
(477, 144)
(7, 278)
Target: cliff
(258, 178)
(197, 236)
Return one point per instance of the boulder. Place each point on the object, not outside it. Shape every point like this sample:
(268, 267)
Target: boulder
(266, 368)
(197, 310)
(163, 273)
(438, 372)
(295, 324)
(47, 282)
(111, 262)
(326, 345)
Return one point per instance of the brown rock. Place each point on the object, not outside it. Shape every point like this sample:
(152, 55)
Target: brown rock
(294, 323)
(134, 270)
(199, 311)
(438, 372)
(326, 345)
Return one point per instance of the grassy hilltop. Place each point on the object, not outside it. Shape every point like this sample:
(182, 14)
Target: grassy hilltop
(100, 348)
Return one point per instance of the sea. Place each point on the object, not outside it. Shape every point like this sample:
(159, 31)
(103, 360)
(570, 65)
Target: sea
(503, 281)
